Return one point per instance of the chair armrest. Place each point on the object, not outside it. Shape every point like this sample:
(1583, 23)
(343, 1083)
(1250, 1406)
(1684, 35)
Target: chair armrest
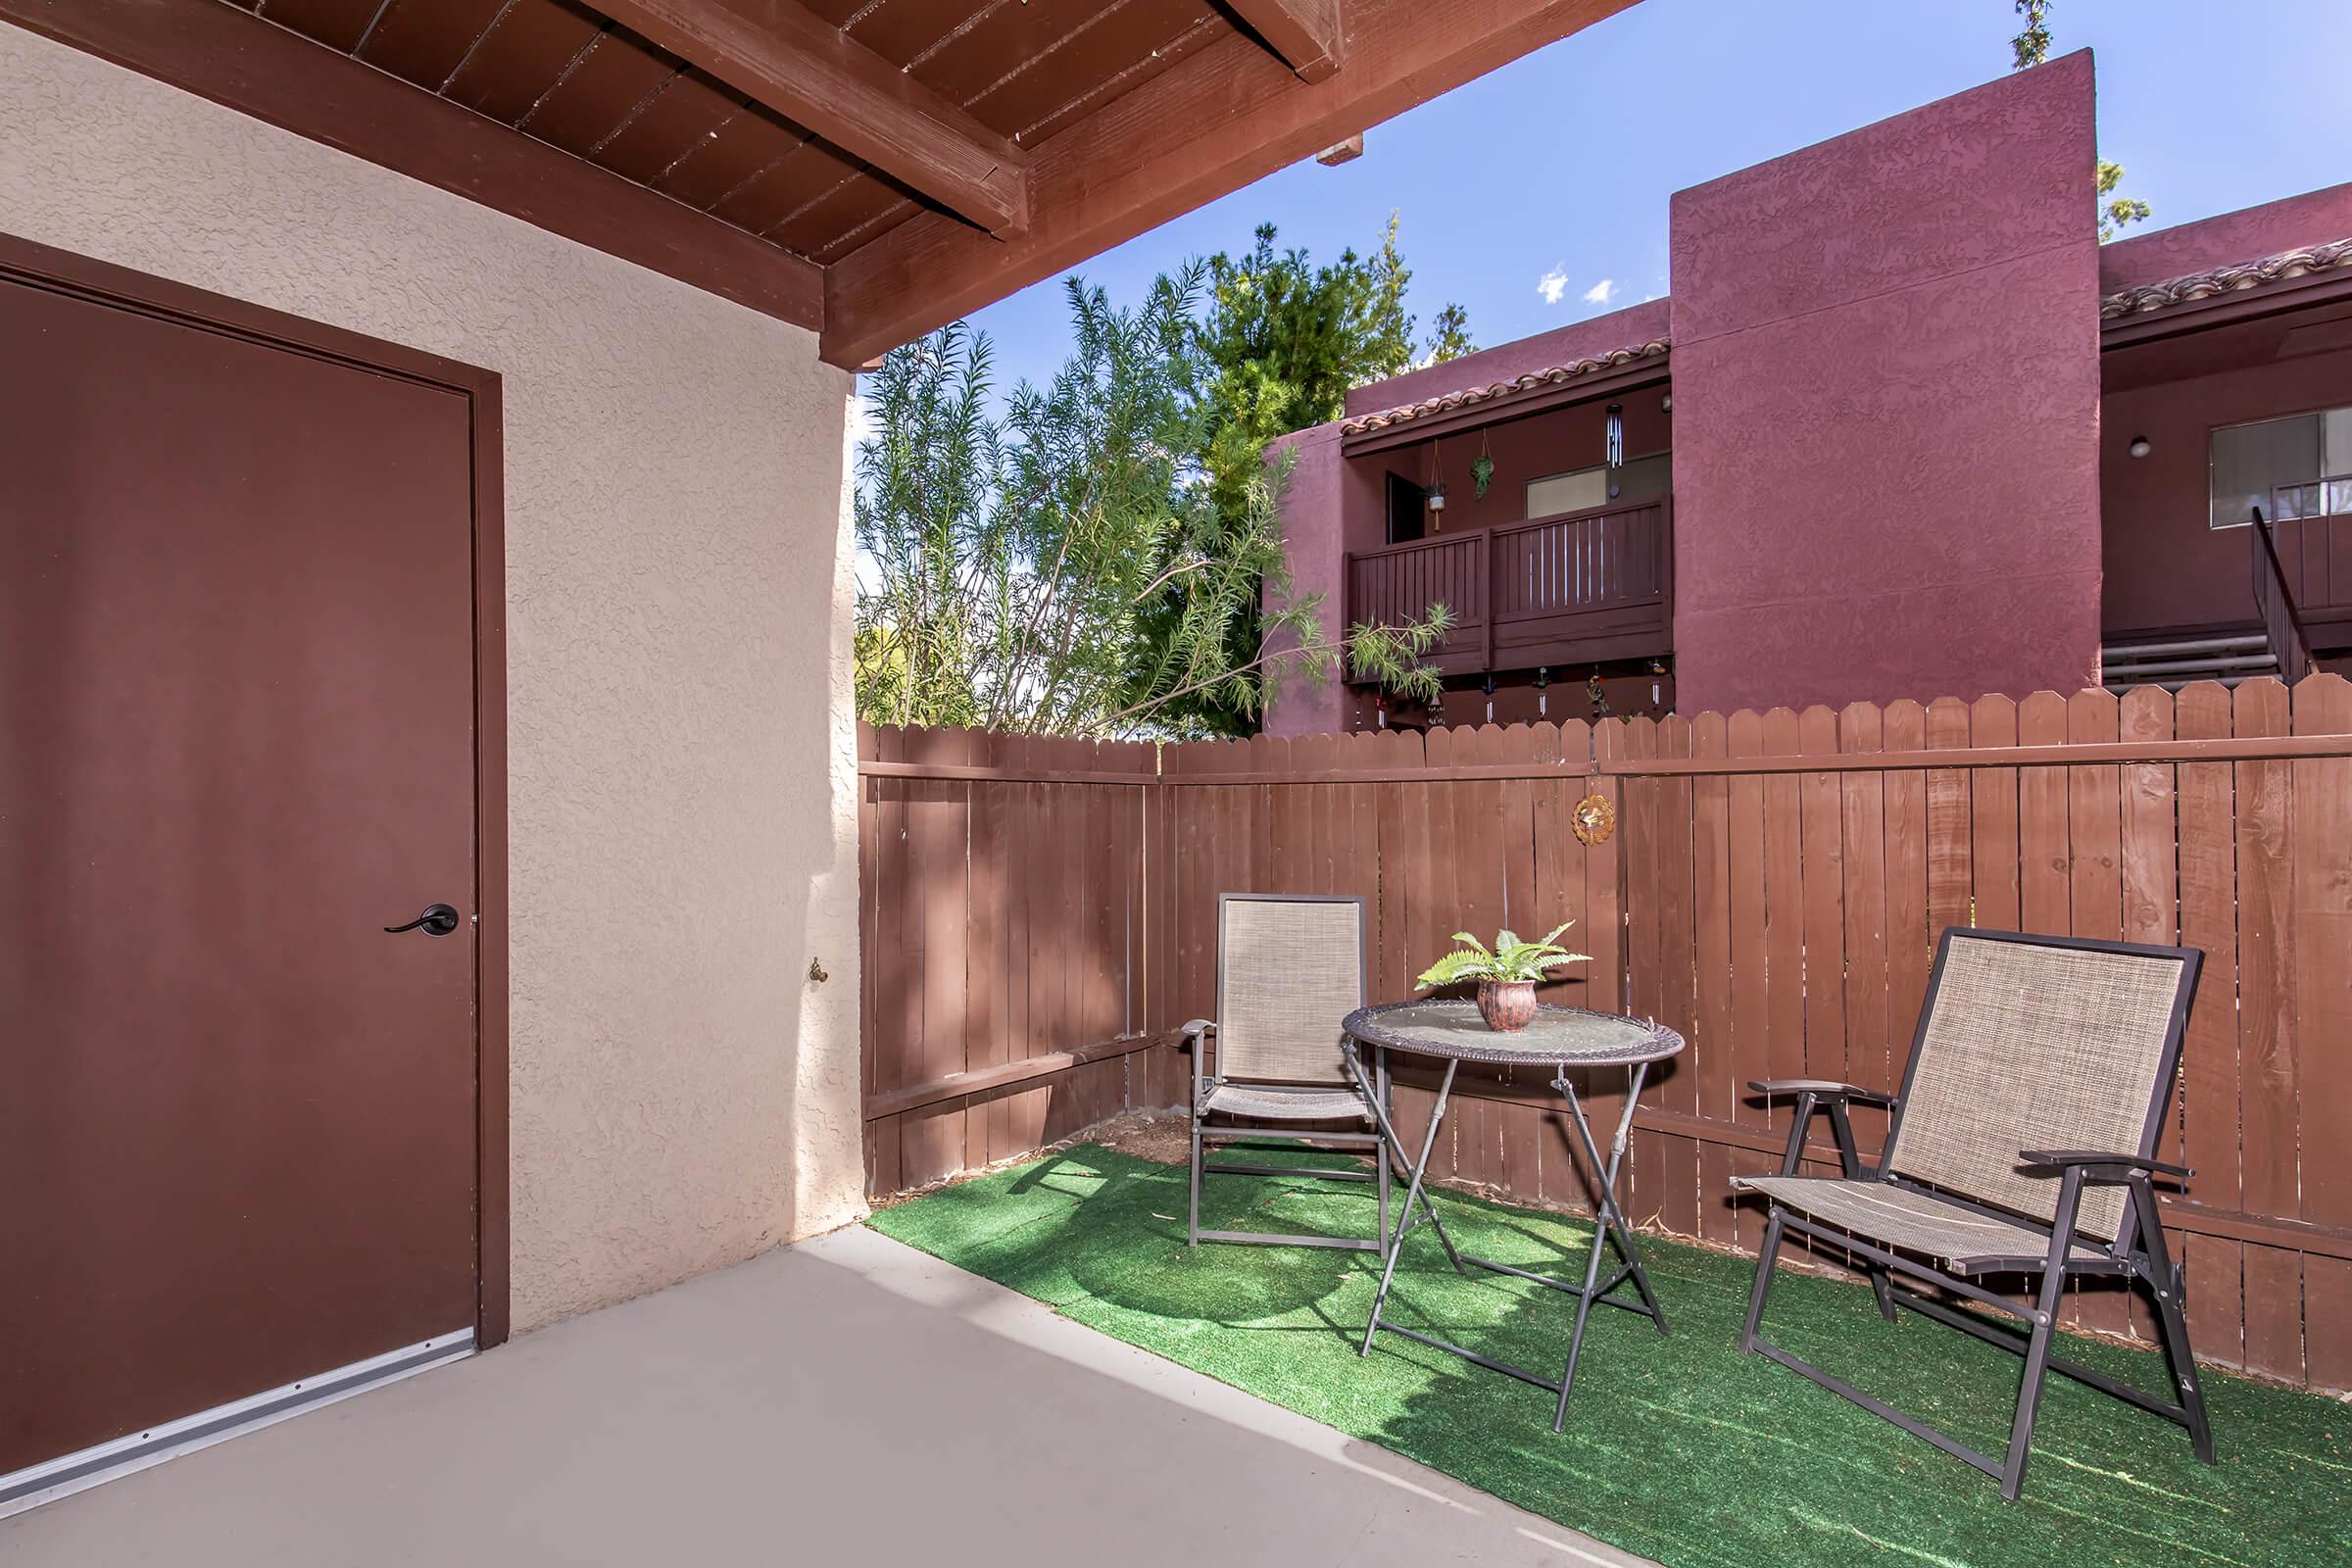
(2100, 1166)
(1821, 1088)
(1193, 1038)
(1817, 1096)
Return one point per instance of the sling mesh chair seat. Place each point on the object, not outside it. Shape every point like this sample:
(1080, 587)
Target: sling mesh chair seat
(1971, 1240)
(1284, 1102)
(1288, 970)
(2024, 1143)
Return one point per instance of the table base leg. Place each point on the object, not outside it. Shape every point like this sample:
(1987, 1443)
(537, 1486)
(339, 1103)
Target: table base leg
(1412, 1193)
(1609, 1227)
(1609, 1222)
(1390, 1137)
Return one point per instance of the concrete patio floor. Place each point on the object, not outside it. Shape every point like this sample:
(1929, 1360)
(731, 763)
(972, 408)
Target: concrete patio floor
(845, 1401)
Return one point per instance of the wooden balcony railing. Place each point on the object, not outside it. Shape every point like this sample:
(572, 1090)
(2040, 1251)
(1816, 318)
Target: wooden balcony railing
(2311, 532)
(1579, 587)
(2275, 603)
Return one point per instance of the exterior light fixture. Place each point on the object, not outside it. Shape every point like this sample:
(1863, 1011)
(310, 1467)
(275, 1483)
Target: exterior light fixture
(1616, 439)
(2139, 447)
(1666, 402)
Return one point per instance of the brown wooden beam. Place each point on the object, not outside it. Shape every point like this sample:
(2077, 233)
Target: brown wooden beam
(257, 68)
(1346, 152)
(1305, 34)
(811, 72)
(1207, 126)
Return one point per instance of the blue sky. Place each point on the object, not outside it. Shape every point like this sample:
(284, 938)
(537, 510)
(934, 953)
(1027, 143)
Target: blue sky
(1567, 158)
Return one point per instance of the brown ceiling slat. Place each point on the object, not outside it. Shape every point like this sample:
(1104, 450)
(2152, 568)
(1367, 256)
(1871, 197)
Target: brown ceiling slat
(745, 145)
(1203, 34)
(1117, 44)
(524, 54)
(840, 13)
(823, 225)
(961, 64)
(900, 29)
(620, 76)
(689, 107)
(336, 24)
(832, 211)
(785, 185)
(424, 40)
(881, 223)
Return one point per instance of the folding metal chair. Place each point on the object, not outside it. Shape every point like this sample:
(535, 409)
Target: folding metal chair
(2023, 1143)
(1289, 969)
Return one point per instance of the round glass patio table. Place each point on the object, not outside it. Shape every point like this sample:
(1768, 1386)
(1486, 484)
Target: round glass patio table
(1561, 1039)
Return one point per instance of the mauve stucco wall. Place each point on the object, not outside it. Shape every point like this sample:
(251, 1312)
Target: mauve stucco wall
(1314, 507)
(1886, 381)
(682, 802)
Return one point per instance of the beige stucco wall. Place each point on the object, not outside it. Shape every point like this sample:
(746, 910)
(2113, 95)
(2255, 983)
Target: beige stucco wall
(682, 770)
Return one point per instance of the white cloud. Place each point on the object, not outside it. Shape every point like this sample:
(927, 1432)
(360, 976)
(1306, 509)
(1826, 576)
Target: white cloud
(1601, 292)
(1551, 285)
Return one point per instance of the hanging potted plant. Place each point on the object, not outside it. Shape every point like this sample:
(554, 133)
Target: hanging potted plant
(1506, 973)
(1482, 467)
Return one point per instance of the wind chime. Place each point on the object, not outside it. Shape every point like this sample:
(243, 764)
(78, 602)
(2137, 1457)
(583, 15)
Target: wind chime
(1437, 489)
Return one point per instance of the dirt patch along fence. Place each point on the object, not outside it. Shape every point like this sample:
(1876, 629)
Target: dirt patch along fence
(1040, 917)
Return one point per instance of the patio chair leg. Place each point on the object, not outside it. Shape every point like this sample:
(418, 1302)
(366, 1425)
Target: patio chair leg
(2170, 1286)
(2028, 1387)
(1192, 1227)
(1765, 1257)
(1882, 1286)
(2183, 1367)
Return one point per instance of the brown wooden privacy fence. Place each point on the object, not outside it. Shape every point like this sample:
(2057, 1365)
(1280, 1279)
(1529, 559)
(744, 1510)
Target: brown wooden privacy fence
(1774, 889)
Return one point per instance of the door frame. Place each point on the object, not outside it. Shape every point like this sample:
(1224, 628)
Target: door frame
(44, 266)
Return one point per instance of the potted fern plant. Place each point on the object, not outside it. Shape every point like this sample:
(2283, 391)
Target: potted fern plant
(1506, 973)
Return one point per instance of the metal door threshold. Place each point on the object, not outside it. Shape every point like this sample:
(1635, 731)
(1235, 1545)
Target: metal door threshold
(61, 1477)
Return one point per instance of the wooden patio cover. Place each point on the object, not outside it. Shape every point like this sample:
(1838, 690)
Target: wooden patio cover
(869, 169)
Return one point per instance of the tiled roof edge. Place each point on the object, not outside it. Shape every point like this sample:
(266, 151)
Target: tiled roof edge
(2194, 287)
(1556, 375)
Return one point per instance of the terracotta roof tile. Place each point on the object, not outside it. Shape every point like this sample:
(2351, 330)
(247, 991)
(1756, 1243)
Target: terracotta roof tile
(1448, 402)
(2226, 279)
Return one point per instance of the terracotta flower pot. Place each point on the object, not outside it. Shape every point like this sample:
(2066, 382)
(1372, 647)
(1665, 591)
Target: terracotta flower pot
(1507, 1006)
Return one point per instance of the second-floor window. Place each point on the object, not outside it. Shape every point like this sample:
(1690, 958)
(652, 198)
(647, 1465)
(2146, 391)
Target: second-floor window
(1637, 479)
(2297, 467)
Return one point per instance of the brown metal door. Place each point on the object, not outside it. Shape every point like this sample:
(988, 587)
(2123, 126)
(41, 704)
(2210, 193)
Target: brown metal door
(237, 1120)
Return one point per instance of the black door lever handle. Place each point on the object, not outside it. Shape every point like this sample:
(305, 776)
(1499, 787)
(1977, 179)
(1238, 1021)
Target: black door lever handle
(437, 920)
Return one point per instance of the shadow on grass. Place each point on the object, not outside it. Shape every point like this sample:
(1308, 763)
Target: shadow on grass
(1678, 1446)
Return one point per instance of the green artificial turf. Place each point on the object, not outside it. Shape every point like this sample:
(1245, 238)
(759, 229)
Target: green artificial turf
(1679, 1449)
